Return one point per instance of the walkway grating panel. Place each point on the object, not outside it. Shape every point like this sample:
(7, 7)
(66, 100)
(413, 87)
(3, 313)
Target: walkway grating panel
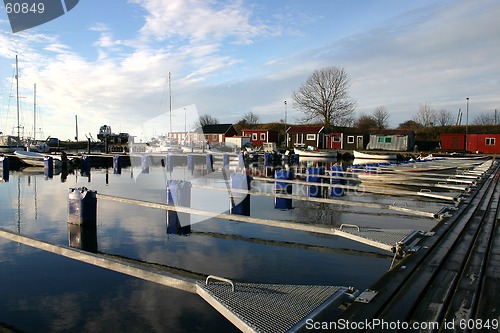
(381, 238)
(270, 307)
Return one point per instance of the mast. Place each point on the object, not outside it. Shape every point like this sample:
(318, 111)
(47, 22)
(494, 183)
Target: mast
(170, 107)
(34, 112)
(17, 96)
(76, 125)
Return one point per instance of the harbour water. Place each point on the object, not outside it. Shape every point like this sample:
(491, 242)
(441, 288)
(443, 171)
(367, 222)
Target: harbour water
(43, 292)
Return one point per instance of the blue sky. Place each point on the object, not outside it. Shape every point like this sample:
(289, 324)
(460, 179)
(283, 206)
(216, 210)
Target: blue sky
(108, 61)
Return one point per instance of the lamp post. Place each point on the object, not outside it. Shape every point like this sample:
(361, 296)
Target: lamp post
(286, 141)
(466, 122)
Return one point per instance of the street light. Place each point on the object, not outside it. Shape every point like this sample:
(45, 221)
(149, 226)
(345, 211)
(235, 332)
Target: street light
(286, 141)
(466, 122)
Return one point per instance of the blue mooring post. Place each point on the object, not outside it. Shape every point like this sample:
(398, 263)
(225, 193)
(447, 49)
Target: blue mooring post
(313, 177)
(225, 161)
(190, 162)
(283, 188)
(5, 167)
(145, 163)
(85, 170)
(210, 163)
(82, 206)
(178, 194)
(169, 165)
(117, 164)
(48, 166)
(267, 159)
(296, 158)
(241, 161)
(240, 202)
(337, 178)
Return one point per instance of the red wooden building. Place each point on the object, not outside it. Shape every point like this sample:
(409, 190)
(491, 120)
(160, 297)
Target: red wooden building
(476, 143)
(260, 136)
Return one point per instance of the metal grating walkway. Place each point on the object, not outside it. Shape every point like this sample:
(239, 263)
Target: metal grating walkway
(273, 308)
(384, 239)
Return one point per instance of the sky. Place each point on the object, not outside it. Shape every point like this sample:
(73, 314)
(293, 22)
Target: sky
(108, 62)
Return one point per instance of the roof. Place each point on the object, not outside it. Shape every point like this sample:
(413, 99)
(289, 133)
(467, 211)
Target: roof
(257, 130)
(305, 129)
(214, 129)
(392, 132)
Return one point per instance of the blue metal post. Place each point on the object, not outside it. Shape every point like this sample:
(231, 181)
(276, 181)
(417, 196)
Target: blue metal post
(283, 188)
(117, 164)
(82, 206)
(145, 163)
(240, 202)
(225, 161)
(48, 166)
(190, 162)
(178, 194)
(169, 166)
(210, 163)
(5, 167)
(241, 161)
(85, 170)
(313, 177)
(337, 178)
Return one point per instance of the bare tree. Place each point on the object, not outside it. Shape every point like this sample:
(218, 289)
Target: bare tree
(251, 118)
(365, 123)
(426, 116)
(444, 118)
(325, 98)
(206, 120)
(484, 119)
(381, 117)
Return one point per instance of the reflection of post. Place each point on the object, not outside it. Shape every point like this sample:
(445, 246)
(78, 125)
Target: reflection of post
(4, 162)
(178, 194)
(84, 238)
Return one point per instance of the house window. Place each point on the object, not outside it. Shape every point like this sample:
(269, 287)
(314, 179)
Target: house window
(490, 141)
(254, 136)
(311, 137)
(214, 137)
(350, 139)
(384, 139)
(262, 136)
(336, 139)
(206, 137)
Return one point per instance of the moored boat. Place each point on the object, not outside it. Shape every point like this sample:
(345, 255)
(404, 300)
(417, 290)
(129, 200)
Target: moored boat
(37, 159)
(315, 153)
(360, 155)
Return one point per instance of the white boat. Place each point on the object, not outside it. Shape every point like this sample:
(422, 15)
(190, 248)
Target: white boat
(315, 153)
(384, 157)
(10, 144)
(37, 159)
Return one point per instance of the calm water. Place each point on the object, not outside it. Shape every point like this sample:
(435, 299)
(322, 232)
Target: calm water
(42, 292)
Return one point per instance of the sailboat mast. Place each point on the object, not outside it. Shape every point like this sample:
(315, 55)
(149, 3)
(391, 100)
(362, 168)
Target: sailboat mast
(34, 112)
(17, 96)
(170, 102)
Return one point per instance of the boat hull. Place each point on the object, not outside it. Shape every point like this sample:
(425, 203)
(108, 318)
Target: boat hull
(383, 157)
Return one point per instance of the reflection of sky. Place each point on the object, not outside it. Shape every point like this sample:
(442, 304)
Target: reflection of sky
(59, 294)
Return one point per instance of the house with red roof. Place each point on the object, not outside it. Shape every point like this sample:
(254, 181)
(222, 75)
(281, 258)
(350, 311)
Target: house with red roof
(305, 136)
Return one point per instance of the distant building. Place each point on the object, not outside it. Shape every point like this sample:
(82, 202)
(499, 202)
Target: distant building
(476, 143)
(214, 134)
(260, 136)
(396, 140)
(304, 136)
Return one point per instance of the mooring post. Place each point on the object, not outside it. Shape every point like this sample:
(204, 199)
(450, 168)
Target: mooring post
(296, 159)
(82, 237)
(336, 178)
(178, 194)
(85, 170)
(225, 161)
(5, 167)
(267, 159)
(169, 165)
(48, 166)
(241, 161)
(240, 202)
(190, 162)
(82, 207)
(145, 163)
(210, 163)
(313, 176)
(117, 164)
(283, 188)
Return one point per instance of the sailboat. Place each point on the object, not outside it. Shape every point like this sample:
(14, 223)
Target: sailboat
(11, 143)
